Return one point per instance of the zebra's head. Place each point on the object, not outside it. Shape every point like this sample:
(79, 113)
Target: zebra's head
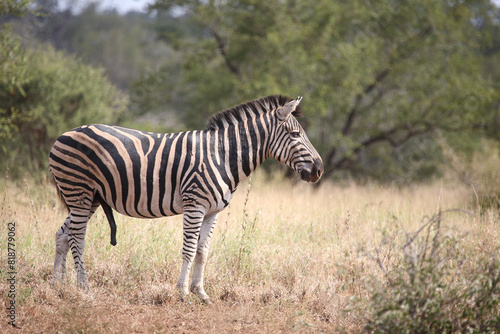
(291, 145)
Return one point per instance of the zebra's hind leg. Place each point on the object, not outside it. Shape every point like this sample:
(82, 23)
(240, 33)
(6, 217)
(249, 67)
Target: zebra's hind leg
(74, 235)
(62, 248)
(201, 257)
(76, 241)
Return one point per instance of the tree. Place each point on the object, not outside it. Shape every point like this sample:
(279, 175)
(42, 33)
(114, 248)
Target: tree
(380, 78)
(59, 94)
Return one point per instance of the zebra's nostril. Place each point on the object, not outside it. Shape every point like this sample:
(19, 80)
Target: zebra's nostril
(318, 168)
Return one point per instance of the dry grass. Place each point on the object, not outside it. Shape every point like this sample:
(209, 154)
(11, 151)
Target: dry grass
(290, 260)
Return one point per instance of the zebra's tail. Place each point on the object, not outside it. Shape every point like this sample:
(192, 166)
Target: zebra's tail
(109, 215)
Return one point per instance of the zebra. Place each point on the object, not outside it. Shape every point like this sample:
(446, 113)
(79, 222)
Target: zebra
(194, 173)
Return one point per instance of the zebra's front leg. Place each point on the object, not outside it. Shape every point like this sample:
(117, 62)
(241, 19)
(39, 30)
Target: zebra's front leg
(191, 230)
(201, 257)
(62, 248)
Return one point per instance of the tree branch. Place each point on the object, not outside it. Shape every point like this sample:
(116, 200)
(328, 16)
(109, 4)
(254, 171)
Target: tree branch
(359, 98)
(387, 136)
(222, 49)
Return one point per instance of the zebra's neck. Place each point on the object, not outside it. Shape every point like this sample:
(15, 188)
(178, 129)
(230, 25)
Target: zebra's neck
(245, 147)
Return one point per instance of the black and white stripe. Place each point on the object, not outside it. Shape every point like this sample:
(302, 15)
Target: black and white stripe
(148, 175)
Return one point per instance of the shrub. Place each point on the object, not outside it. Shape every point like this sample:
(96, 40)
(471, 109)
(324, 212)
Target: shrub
(434, 288)
(58, 94)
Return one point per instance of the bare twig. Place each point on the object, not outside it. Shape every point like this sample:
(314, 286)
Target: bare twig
(433, 219)
(246, 226)
(222, 49)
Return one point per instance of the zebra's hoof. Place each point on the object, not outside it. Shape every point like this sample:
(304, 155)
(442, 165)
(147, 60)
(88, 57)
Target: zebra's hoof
(183, 297)
(200, 292)
(83, 286)
(184, 300)
(206, 301)
(55, 282)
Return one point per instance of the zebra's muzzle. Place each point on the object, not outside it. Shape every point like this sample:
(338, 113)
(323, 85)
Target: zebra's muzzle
(312, 174)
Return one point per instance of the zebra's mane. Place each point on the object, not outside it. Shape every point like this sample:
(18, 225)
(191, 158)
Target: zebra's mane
(249, 110)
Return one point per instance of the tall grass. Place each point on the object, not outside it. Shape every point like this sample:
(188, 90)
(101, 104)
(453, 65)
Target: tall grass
(282, 258)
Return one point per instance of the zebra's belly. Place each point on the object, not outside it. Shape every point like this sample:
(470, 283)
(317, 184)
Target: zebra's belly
(158, 211)
(148, 205)
(154, 201)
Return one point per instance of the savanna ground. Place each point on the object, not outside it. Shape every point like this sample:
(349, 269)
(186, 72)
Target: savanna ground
(283, 258)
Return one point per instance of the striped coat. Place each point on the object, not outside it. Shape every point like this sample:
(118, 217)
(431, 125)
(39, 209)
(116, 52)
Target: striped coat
(196, 173)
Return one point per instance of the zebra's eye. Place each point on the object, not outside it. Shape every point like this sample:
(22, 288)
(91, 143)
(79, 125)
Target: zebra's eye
(295, 134)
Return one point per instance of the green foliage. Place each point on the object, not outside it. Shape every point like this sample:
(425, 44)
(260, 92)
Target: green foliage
(59, 93)
(12, 77)
(12, 69)
(434, 288)
(375, 75)
(14, 7)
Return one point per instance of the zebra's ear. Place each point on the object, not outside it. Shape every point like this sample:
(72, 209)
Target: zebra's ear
(284, 112)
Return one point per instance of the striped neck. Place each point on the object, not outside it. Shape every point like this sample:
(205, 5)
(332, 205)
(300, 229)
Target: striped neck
(246, 145)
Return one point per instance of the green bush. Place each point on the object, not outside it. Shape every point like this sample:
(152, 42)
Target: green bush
(434, 287)
(58, 93)
(12, 77)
